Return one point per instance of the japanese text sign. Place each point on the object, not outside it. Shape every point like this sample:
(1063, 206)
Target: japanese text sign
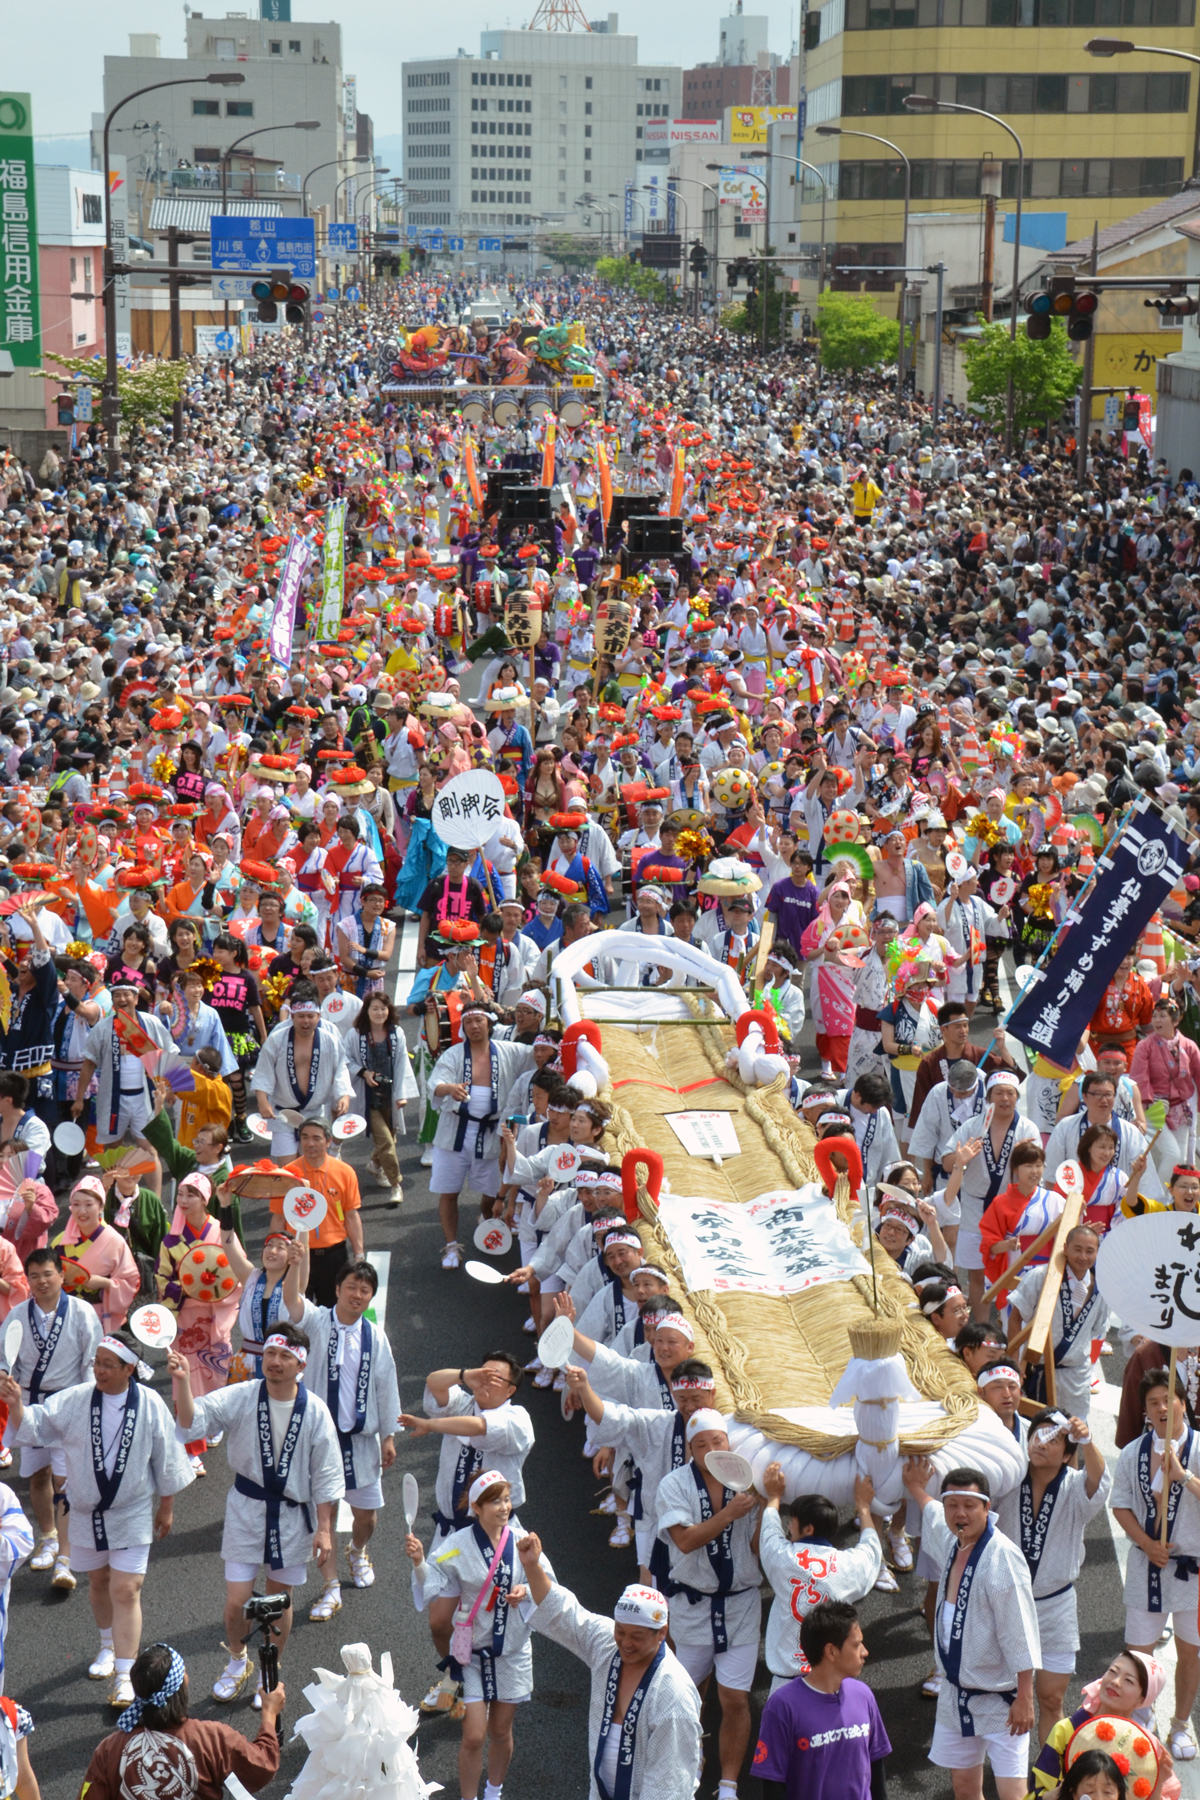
(1148, 1271)
(468, 809)
(20, 320)
(781, 1243)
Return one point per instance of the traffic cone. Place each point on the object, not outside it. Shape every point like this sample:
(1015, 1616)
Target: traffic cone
(1151, 945)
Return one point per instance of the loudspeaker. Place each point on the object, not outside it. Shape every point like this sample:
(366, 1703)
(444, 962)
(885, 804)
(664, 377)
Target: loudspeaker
(624, 506)
(652, 535)
(529, 461)
(497, 481)
(525, 506)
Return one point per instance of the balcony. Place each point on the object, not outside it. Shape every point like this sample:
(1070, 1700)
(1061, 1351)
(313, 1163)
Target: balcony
(240, 184)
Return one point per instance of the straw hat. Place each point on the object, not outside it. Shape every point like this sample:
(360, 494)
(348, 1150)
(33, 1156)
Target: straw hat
(727, 876)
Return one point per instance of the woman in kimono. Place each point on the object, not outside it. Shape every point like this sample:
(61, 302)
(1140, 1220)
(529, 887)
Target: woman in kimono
(653, 1752)
(118, 1442)
(364, 944)
(1080, 1318)
(283, 1450)
(98, 1263)
(909, 1029)
(205, 1325)
(1047, 1514)
(218, 816)
(478, 1567)
(835, 967)
(312, 878)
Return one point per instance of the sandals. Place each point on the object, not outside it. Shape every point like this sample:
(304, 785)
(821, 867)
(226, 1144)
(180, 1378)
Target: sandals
(621, 1535)
(232, 1680)
(902, 1556)
(442, 1697)
(362, 1568)
(104, 1667)
(608, 1504)
(121, 1695)
(327, 1603)
(451, 1256)
(46, 1554)
(1181, 1744)
(885, 1582)
(62, 1577)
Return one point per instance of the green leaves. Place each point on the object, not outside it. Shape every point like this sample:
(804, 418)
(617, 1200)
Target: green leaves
(145, 394)
(618, 271)
(1045, 375)
(853, 335)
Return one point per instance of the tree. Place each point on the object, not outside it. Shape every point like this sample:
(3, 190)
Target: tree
(144, 394)
(618, 271)
(568, 252)
(1045, 375)
(853, 335)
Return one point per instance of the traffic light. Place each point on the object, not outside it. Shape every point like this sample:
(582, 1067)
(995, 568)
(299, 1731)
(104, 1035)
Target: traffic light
(1056, 302)
(635, 256)
(1037, 316)
(733, 273)
(297, 301)
(698, 258)
(1081, 319)
(1174, 306)
(752, 276)
(269, 292)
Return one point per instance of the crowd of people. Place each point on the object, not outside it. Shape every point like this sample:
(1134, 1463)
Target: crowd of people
(858, 736)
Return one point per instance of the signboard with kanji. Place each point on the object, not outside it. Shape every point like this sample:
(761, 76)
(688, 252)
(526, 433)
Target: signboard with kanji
(20, 319)
(264, 243)
(781, 1243)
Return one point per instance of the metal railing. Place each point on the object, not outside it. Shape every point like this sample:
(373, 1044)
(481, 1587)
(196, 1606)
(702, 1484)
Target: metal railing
(241, 184)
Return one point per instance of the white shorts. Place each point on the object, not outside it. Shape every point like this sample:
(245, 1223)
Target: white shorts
(1007, 1755)
(289, 1578)
(33, 1458)
(285, 1142)
(127, 1562)
(456, 1171)
(367, 1499)
(781, 1681)
(1147, 1627)
(553, 1284)
(1058, 1628)
(133, 1117)
(928, 1567)
(968, 1250)
(735, 1668)
(514, 1677)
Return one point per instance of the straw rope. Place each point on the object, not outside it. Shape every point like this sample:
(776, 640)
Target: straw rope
(766, 1352)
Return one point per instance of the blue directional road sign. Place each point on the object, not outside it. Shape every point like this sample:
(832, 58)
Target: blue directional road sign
(333, 293)
(455, 243)
(224, 341)
(490, 244)
(343, 236)
(264, 243)
(353, 294)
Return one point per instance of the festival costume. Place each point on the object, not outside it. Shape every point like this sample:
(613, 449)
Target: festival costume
(1150, 1594)
(352, 1369)
(803, 1575)
(716, 1606)
(275, 1075)
(1052, 1543)
(103, 1252)
(205, 1326)
(501, 1665)
(503, 1447)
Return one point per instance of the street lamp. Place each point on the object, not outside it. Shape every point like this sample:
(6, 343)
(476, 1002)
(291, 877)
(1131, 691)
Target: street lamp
(874, 138)
(923, 103)
(259, 131)
(1122, 47)
(352, 176)
(691, 181)
(110, 412)
(334, 163)
(758, 155)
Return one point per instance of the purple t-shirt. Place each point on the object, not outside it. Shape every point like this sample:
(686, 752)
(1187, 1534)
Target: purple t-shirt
(821, 1746)
(793, 908)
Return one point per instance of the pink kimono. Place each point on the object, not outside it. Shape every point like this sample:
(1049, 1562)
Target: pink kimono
(105, 1253)
(11, 1272)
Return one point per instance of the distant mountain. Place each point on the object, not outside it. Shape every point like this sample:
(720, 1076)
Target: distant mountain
(75, 152)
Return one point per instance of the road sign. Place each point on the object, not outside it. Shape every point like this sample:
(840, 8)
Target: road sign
(318, 318)
(333, 293)
(264, 244)
(83, 404)
(232, 287)
(1112, 412)
(455, 243)
(224, 342)
(343, 236)
(353, 294)
(490, 244)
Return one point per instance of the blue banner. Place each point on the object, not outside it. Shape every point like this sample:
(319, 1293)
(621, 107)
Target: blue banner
(1133, 878)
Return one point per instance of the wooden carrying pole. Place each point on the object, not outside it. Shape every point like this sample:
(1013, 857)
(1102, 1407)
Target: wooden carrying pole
(1014, 1268)
(1039, 1331)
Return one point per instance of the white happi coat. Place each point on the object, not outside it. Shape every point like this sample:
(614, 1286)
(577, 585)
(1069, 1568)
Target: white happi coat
(666, 1752)
(511, 1060)
(1184, 1531)
(458, 1567)
(383, 1390)
(16, 1543)
(598, 1319)
(655, 1441)
(679, 1503)
(71, 1360)
(104, 1051)
(1000, 1631)
(333, 1075)
(1055, 1566)
(937, 1122)
(156, 1465)
(803, 1575)
(629, 1382)
(1073, 1375)
(503, 1447)
(314, 1478)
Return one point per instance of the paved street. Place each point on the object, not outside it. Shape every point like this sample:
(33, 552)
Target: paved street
(436, 1319)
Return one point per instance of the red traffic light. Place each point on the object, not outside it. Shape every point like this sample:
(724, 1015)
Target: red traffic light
(297, 294)
(1085, 304)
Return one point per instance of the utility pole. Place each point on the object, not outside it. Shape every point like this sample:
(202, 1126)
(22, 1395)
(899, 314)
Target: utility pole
(989, 182)
(1089, 367)
(938, 269)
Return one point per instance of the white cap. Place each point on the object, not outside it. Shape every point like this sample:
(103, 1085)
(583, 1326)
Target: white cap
(641, 1606)
(483, 1482)
(707, 1419)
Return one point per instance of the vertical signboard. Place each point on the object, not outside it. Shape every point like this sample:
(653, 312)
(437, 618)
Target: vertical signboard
(118, 189)
(20, 313)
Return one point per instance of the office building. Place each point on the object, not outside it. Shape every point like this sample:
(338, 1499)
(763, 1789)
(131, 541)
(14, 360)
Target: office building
(541, 128)
(744, 74)
(293, 71)
(1102, 139)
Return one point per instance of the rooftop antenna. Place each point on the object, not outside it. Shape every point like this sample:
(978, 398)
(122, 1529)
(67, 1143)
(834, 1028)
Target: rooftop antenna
(559, 15)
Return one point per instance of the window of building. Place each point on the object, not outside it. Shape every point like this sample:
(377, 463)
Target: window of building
(203, 154)
(587, 131)
(587, 155)
(562, 81)
(72, 271)
(239, 109)
(275, 46)
(587, 106)
(741, 231)
(93, 209)
(294, 46)
(206, 109)
(587, 81)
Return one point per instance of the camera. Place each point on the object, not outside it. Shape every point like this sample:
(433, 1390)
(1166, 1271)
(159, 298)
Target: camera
(264, 1609)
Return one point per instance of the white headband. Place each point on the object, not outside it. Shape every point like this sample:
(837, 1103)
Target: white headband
(1002, 1373)
(126, 1355)
(707, 1419)
(277, 1341)
(641, 1606)
(677, 1322)
(964, 1494)
(483, 1482)
(932, 1306)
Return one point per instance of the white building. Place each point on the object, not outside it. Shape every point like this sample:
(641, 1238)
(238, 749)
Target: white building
(540, 127)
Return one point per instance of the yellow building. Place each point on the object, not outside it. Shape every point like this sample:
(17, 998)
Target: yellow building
(1102, 138)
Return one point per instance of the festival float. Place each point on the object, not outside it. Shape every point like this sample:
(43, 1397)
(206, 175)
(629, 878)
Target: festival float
(822, 1357)
(542, 360)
